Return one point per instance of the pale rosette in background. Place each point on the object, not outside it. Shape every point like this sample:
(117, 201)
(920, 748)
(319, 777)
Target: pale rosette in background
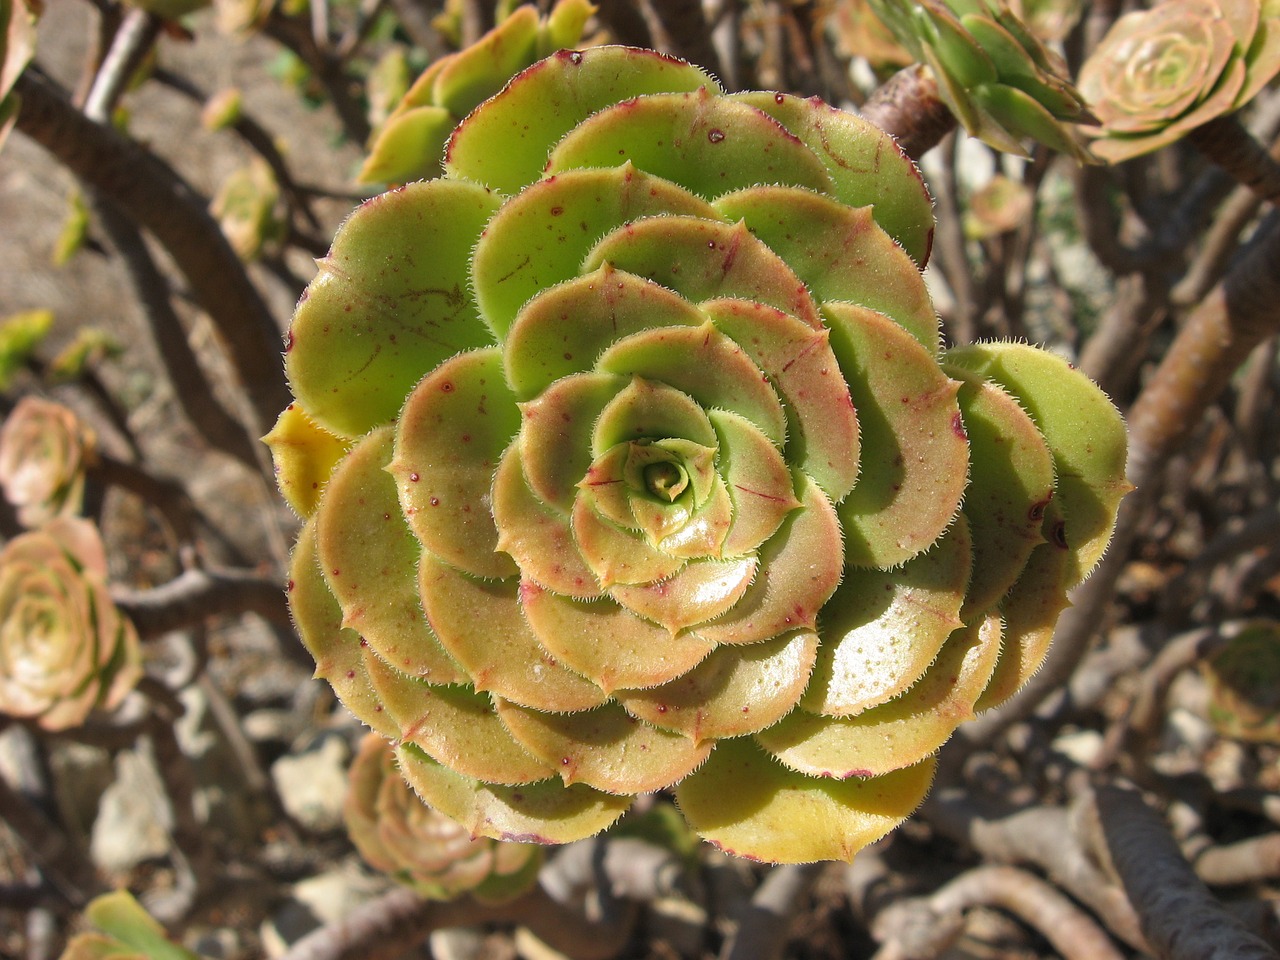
(65, 648)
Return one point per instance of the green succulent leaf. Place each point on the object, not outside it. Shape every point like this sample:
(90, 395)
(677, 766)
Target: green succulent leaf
(388, 304)
(748, 804)
(1083, 430)
(543, 812)
(902, 731)
(131, 931)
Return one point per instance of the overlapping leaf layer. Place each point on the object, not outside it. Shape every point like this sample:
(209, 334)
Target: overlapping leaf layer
(650, 472)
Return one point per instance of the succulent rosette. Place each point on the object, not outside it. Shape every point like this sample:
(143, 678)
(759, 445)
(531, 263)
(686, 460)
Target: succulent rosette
(65, 648)
(1002, 84)
(649, 469)
(439, 858)
(44, 450)
(1160, 73)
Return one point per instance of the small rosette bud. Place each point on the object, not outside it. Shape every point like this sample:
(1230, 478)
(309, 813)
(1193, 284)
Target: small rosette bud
(398, 834)
(65, 648)
(44, 450)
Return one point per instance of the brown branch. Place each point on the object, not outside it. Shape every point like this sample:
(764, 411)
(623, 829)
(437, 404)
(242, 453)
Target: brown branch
(385, 928)
(191, 387)
(163, 203)
(908, 107)
(295, 34)
(1227, 143)
(66, 870)
(926, 926)
(1045, 837)
(197, 594)
(1255, 860)
(1181, 919)
(765, 924)
(681, 28)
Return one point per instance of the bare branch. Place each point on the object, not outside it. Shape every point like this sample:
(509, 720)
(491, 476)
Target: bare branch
(1181, 919)
(167, 206)
(926, 926)
(196, 594)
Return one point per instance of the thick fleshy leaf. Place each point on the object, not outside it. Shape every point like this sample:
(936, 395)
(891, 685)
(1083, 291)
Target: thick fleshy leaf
(304, 454)
(1011, 484)
(1085, 433)
(1031, 612)
(705, 532)
(480, 623)
(840, 252)
(866, 165)
(706, 365)
(336, 650)
(541, 237)
(735, 691)
(758, 480)
(544, 812)
(616, 555)
(410, 146)
(536, 536)
(563, 330)
(456, 726)
(822, 428)
(608, 644)
(915, 455)
(605, 748)
(702, 590)
(749, 805)
(800, 568)
(368, 553)
(555, 439)
(390, 302)
(649, 409)
(901, 732)
(468, 77)
(710, 145)
(882, 629)
(451, 433)
(705, 260)
(543, 103)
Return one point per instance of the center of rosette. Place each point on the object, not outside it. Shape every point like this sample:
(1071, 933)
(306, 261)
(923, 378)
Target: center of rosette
(666, 480)
(668, 470)
(654, 486)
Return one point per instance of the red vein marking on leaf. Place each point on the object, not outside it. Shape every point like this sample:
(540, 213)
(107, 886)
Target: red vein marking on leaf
(514, 270)
(757, 493)
(811, 345)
